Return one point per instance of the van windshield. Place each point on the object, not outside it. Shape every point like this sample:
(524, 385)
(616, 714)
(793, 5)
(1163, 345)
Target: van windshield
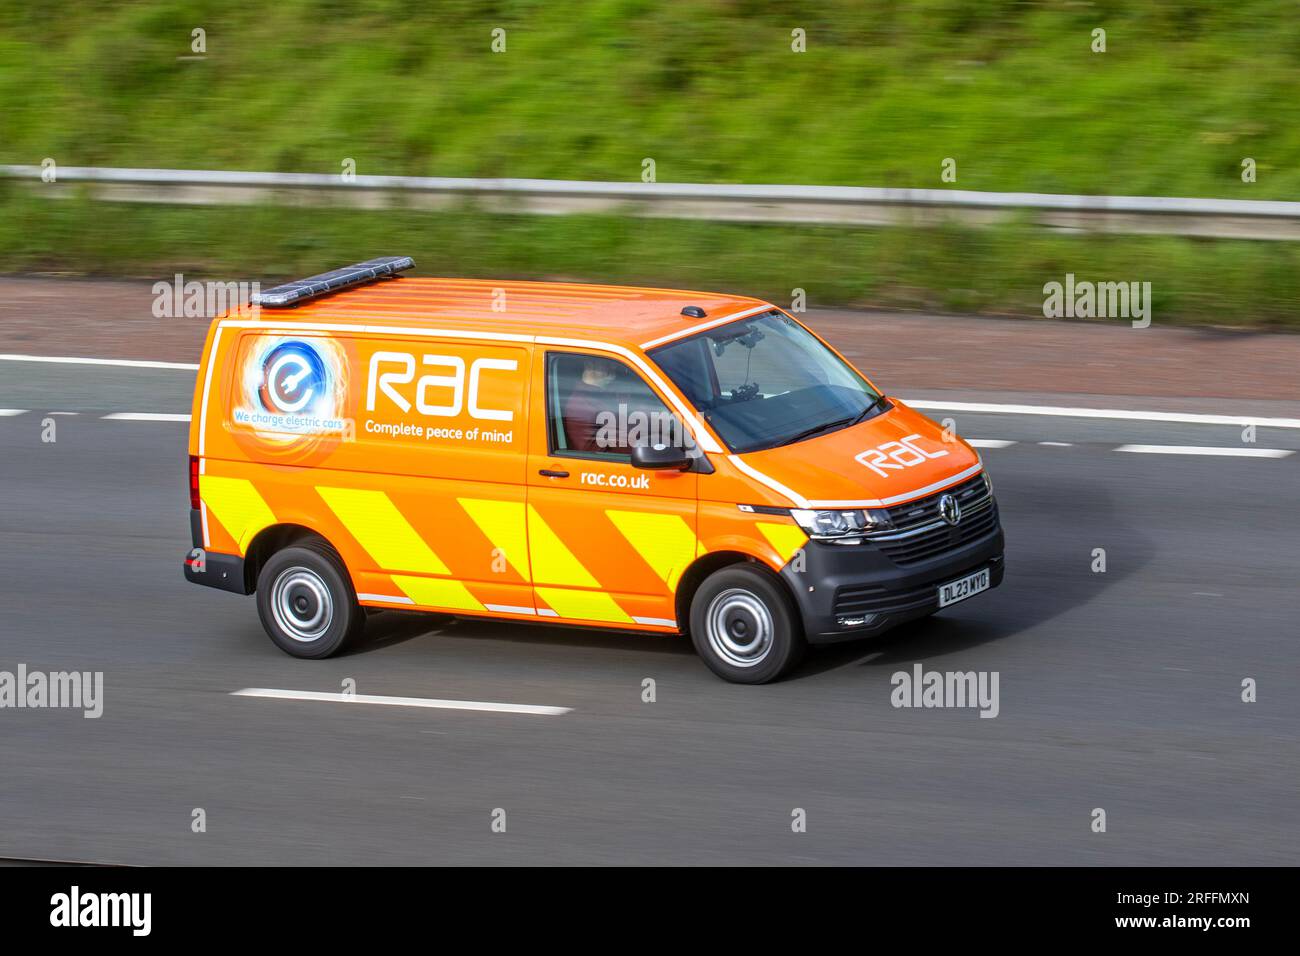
(766, 381)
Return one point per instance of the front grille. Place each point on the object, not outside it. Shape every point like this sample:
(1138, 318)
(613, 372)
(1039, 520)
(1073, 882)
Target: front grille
(920, 534)
(923, 511)
(857, 600)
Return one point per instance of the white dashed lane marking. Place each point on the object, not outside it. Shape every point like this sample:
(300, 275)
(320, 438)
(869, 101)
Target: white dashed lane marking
(119, 363)
(535, 710)
(146, 417)
(989, 443)
(1207, 450)
(1059, 411)
(995, 408)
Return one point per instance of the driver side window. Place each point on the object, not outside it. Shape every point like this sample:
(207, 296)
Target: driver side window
(599, 408)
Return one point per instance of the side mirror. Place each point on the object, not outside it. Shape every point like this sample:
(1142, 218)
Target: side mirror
(660, 457)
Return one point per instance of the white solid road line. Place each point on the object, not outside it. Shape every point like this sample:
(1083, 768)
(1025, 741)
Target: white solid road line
(1060, 411)
(988, 442)
(1204, 450)
(121, 363)
(534, 709)
(992, 408)
(12, 411)
(147, 417)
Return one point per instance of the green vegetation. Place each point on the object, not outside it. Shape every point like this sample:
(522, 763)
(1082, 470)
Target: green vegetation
(995, 271)
(709, 89)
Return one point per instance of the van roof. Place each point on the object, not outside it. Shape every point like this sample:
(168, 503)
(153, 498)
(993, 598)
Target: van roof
(625, 315)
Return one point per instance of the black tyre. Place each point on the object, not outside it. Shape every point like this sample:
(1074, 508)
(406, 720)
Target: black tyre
(306, 601)
(744, 626)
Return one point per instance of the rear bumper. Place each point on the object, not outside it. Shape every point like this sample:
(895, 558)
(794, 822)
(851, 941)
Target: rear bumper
(224, 571)
(210, 568)
(846, 592)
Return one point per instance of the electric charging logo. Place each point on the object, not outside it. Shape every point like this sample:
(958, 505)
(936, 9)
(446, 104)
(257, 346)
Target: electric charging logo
(293, 376)
(294, 393)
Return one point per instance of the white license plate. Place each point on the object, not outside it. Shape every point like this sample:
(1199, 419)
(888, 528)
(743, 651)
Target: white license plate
(962, 588)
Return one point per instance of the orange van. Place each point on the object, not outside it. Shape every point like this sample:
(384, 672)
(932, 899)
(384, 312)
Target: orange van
(639, 459)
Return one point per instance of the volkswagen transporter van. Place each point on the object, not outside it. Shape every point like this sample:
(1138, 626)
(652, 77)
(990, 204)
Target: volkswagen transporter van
(640, 459)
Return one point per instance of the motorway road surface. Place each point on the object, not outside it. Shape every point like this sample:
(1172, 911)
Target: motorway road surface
(1118, 690)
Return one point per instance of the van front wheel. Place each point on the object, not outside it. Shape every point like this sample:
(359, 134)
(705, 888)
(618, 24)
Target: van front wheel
(744, 627)
(306, 602)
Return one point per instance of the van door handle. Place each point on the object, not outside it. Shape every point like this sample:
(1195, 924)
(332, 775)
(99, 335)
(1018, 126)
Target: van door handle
(552, 473)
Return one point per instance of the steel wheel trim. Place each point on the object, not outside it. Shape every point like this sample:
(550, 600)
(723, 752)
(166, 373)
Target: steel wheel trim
(739, 627)
(301, 604)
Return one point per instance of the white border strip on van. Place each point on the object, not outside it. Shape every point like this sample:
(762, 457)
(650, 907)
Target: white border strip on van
(207, 387)
(673, 336)
(801, 502)
(510, 609)
(906, 496)
(386, 598)
(780, 489)
(703, 438)
(290, 328)
(655, 621)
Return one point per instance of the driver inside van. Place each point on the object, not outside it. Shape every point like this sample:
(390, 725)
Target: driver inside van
(594, 393)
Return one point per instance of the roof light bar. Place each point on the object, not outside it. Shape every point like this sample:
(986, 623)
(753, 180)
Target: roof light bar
(300, 290)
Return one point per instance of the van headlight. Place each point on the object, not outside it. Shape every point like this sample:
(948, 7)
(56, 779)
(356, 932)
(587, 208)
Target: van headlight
(839, 524)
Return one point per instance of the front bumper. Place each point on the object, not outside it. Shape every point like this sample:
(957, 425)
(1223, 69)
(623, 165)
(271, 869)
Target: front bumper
(846, 592)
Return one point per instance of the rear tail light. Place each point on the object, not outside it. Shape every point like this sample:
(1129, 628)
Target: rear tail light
(194, 481)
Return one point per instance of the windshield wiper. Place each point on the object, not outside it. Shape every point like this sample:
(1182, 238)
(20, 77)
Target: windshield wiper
(839, 423)
(809, 432)
(874, 403)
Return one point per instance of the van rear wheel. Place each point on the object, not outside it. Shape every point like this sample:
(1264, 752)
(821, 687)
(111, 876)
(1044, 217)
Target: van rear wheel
(306, 602)
(744, 627)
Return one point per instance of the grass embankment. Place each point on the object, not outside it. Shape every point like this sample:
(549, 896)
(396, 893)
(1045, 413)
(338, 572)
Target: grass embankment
(710, 90)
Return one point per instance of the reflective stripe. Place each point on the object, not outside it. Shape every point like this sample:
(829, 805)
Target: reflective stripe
(207, 387)
(899, 499)
(665, 541)
(703, 437)
(386, 598)
(584, 605)
(551, 558)
(683, 333)
(510, 609)
(238, 506)
(780, 489)
(438, 592)
(656, 621)
(373, 519)
(502, 523)
(788, 539)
